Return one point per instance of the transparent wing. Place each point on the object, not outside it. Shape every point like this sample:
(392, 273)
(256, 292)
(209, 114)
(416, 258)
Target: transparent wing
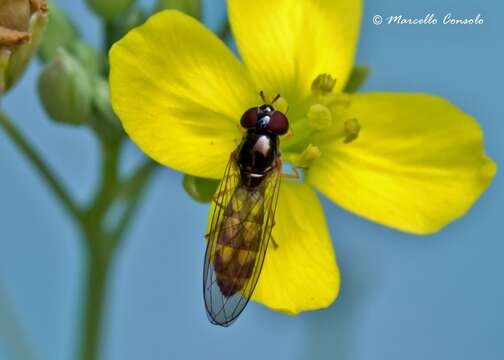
(239, 232)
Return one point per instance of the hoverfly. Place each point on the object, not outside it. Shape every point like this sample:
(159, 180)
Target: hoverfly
(243, 215)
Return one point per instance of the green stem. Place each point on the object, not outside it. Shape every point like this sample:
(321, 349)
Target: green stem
(98, 269)
(101, 244)
(109, 181)
(134, 189)
(43, 169)
(98, 254)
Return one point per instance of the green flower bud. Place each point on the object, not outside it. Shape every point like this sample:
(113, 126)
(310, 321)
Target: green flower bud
(87, 56)
(200, 189)
(101, 101)
(60, 32)
(190, 7)
(104, 120)
(65, 89)
(108, 9)
(118, 27)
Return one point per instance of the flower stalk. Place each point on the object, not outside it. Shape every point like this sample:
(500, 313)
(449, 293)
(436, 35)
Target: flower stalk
(99, 242)
(102, 228)
(39, 165)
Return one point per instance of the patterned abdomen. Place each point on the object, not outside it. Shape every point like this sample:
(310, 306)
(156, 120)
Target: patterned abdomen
(239, 240)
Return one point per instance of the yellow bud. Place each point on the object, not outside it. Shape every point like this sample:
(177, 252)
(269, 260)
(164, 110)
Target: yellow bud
(319, 117)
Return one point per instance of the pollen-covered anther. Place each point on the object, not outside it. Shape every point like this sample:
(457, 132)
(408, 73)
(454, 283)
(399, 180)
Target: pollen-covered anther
(351, 129)
(319, 117)
(323, 84)
(308, 156)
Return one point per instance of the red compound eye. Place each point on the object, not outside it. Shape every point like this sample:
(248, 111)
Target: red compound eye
(249, 118)
(278, 123)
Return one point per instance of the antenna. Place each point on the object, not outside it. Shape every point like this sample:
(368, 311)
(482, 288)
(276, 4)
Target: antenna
(261, 94)
(263, 98)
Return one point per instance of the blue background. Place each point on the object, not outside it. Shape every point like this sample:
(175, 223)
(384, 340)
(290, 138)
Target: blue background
(402, 296)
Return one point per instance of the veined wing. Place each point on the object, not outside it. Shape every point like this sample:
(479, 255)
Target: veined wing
(239, 233)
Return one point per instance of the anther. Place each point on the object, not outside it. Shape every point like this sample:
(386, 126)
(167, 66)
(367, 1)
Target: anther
(319, 117)
(308, 156)
(352, 129)
(324, 84)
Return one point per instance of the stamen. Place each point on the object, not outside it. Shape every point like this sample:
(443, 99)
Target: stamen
(319, 117)
(308, 156)
(323, 84)
(339, 99)
(352, 129)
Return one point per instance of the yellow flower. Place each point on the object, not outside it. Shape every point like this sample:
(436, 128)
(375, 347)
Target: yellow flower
(416, 164)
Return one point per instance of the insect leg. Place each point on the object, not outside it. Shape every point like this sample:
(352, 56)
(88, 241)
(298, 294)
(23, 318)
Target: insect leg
(273, 242)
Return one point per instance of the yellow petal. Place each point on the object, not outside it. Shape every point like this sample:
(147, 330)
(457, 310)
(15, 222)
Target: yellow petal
(287, 43)
(301, 273)
(417, 164)
(180, 93)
